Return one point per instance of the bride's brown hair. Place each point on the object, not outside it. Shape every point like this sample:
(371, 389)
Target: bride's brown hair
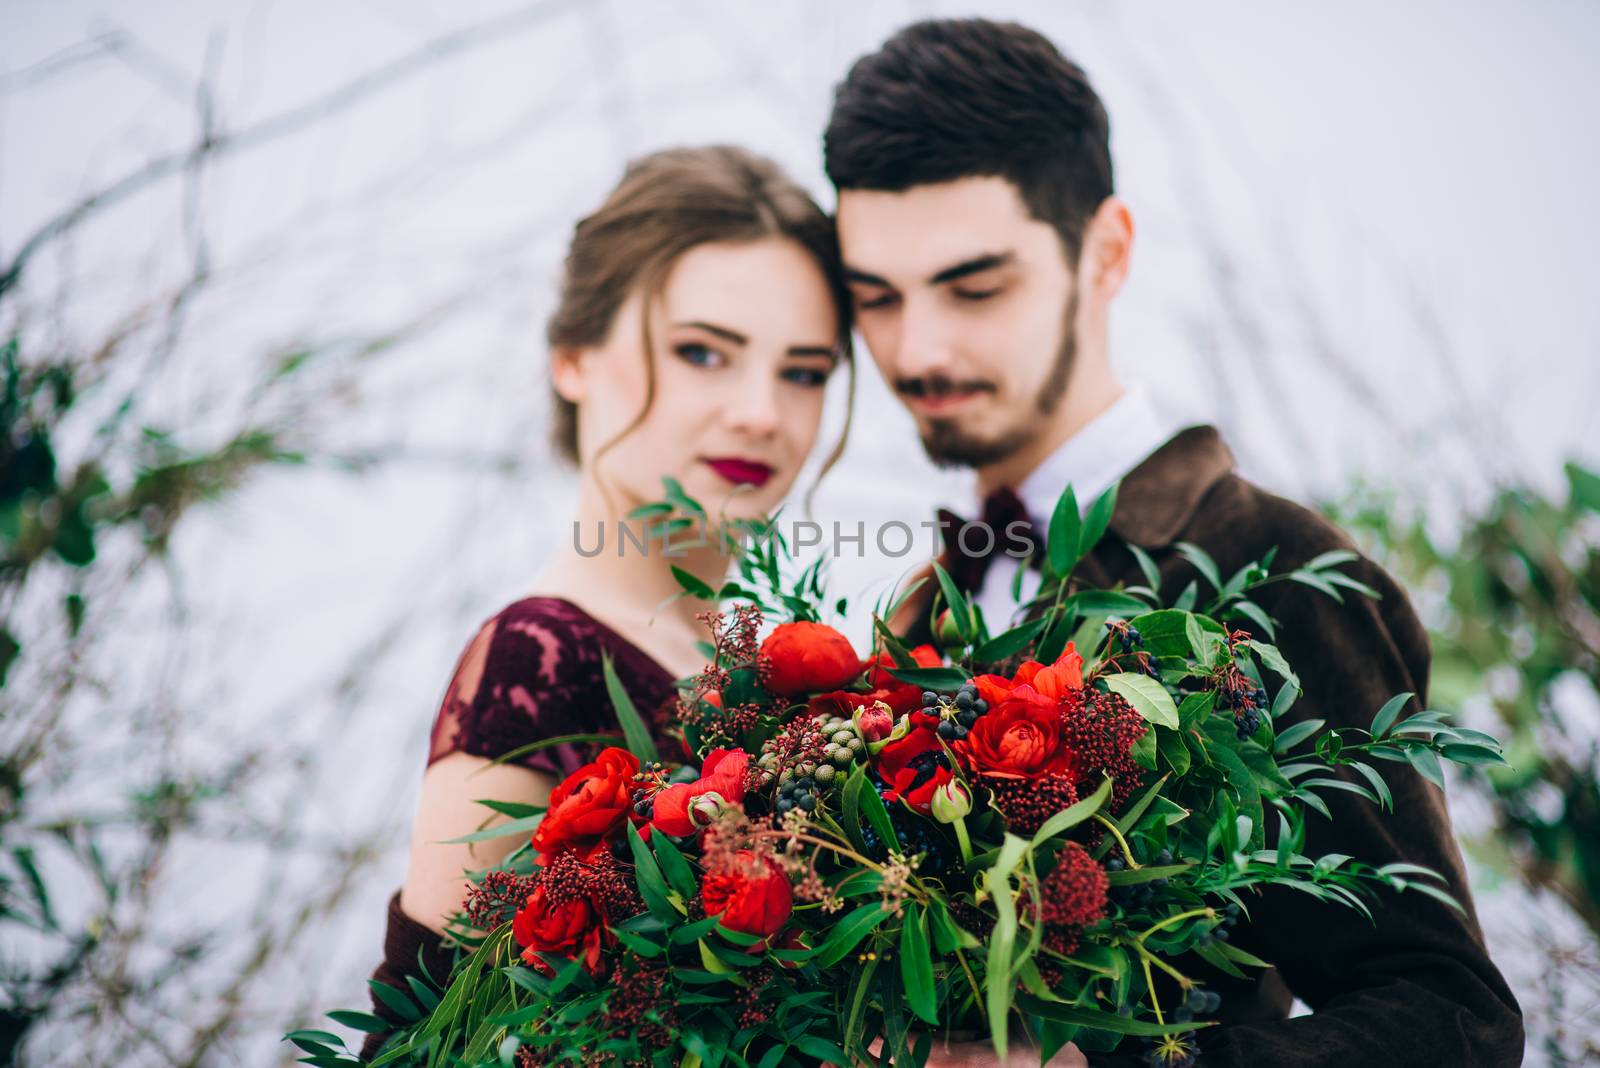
(667, 203)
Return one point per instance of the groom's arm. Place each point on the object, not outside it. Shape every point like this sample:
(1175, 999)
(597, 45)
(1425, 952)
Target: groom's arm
(1415, 986)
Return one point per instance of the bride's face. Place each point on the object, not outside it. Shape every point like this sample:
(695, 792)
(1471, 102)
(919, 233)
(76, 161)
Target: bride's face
(744, 339)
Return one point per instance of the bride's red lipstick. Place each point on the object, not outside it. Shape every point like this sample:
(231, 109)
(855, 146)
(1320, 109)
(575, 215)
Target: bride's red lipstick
(737, 470)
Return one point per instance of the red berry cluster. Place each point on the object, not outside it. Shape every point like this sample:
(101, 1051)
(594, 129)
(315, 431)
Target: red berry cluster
(599, 880)
(1072, 897)
(493, 901)
(1027, 803)
(638, 989)
(753, 1012)
(1101, 729)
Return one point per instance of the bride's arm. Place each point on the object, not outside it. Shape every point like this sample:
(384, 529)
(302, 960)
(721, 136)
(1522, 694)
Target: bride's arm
(436, 884)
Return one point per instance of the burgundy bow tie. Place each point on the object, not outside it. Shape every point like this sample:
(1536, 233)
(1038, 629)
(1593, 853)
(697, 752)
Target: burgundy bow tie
(969, 562)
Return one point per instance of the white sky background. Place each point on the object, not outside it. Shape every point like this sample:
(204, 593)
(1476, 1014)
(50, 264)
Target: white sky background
(1303, 182)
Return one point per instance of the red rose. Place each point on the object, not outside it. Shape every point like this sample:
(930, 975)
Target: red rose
(900, 696)
(754, 898)
(722, 774)
(589, 807)
(575, 928)
(1021, 738)
(806, 657)
(915, 766)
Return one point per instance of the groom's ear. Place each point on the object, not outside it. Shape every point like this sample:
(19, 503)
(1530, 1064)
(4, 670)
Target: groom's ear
(566, 373)
(1107, 249)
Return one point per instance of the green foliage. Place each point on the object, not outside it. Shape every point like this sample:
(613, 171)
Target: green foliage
(1514, 621)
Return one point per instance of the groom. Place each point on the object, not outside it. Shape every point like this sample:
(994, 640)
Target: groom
(984, 246)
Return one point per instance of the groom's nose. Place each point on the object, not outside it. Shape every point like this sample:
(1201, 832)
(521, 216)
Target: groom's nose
(925, 348)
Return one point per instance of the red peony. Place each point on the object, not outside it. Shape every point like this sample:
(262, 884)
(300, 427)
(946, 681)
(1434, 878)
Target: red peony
(915, 766)
(754, 898)
(805, 658)
(589, 807)
(1020, 738)
(1054, 682)
(574, 928)
(722, 774)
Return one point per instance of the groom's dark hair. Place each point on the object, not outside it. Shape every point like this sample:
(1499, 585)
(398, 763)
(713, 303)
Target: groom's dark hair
(953, 98)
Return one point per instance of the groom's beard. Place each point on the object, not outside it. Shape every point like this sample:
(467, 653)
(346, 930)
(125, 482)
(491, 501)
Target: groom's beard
(947, 442)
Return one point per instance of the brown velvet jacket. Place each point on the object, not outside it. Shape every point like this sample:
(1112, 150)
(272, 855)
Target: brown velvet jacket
(1416, 987)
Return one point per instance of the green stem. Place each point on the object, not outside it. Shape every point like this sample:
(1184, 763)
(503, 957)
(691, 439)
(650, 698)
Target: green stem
(966, 843)
(1183, 980)
(1133, 865)
(1170, 920)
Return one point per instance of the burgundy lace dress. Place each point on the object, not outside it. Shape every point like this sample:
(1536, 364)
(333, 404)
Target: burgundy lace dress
(532, 671)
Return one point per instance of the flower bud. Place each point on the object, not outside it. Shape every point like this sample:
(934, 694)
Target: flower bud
(947, 632)
(952, 801)
(707, 809)
(873, 722)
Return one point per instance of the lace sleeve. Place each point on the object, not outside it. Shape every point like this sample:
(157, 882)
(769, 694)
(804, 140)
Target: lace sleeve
(533, 672)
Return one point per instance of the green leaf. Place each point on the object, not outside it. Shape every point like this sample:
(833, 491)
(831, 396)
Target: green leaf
(1204, 645)
(1202, 562)
(674, 867)
(931, 678)
(821, 1049)
(1122, 1025)
(1073, 815)
(1173, 749)
(892, 644)
(916, 965)
(999, 984)
(640, 744)
(513, 809)
(524, 826)
(877, 815)
(396, 1000)
(850, 807)
(1379, 787)
(9, 648)
(1066, 528)
(1255, 614)
(1470, 754)
(1316, 582)
(959, 610)
(1272, 658)
(848, 933)
(1147, 568)
(1147, 696)
(1149, 873)
(1097, 519)
(1584, 487)
(1329, 559)
(360, 1021)
(1388, 714)
(1010, 643)
(1143, 749)
(647, 874)
(693, 585)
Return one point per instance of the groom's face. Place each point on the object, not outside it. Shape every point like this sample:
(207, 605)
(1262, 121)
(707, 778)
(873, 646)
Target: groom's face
(969, 307)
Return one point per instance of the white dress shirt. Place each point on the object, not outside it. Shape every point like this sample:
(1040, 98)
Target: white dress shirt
(1107, 448)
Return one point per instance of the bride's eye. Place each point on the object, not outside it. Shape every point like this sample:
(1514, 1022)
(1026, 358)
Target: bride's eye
(806, 376)
(699, 355)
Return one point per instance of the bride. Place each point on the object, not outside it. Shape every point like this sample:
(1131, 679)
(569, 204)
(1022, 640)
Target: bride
(702, 311)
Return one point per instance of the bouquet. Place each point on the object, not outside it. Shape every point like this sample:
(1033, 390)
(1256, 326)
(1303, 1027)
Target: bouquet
(1034, 831)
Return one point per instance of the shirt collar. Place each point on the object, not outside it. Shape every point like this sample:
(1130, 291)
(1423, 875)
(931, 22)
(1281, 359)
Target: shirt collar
(1108, 447)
